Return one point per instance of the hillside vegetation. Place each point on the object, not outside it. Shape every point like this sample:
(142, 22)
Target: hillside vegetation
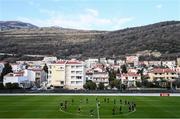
(161, 37)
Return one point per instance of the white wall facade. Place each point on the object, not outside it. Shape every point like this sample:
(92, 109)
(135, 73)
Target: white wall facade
(21, 80)
(75, 76)
(91, 62)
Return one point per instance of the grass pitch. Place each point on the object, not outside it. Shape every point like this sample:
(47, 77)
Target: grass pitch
(49, 107)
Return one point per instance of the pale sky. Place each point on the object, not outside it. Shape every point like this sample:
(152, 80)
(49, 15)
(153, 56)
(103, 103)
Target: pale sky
(90, 14)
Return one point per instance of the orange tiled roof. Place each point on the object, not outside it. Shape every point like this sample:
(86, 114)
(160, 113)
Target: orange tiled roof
(130, 74)
(162, 70)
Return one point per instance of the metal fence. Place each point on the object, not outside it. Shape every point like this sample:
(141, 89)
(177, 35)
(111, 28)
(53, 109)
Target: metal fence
(89, 91)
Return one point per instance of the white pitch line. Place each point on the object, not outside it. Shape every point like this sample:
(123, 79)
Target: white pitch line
(97, 110)
(85, 94)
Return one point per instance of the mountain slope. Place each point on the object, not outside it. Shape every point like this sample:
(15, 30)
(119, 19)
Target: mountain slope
(162, 37)
(7, 25)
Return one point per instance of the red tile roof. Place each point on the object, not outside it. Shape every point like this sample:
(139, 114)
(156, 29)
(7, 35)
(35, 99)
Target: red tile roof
(162, 70)
(68, 62)
(61, 62)
(37, 69)
(131, 74)
(98, 66)
(73, 62)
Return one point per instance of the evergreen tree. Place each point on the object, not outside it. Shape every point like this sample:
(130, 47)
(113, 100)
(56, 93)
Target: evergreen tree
(112, 75)
(123, 69)
(45, 68)
(115, 83)
(90, 85)
(7, 69)
(118, 71)
(101, 86)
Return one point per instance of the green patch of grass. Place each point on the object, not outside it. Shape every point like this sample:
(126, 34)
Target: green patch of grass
(49, 107)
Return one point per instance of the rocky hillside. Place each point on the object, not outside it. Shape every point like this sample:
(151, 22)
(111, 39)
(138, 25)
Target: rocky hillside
(66, 43)
(161, 37)
(8, 25)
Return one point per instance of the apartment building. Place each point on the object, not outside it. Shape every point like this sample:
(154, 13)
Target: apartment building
(98, 75)
(130, 79)
(162, 74)
(68, 74)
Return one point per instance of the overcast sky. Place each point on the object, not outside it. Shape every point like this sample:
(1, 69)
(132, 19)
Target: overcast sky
(90, 14)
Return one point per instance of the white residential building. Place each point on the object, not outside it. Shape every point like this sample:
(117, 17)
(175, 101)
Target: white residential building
(17, 78)
(49, 59)
(178, 61)
(31, 75)
(129, 79)
(103, 60)
(69, 74)
(75, 75)
(1, 66)
(101, 77)
(111, 61)
(120, 62)
(169, 64)
(98, 75)
(16, 67)
(132, 60)
(154, 63)
(91, 62)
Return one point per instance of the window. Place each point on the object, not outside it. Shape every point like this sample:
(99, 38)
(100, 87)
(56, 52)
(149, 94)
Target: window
(72, 72)
(62, 82)
(78, 77)
(50, 67)
(72, 82)
(78, 66)
(72, 77)
(78, 82)
(78, 72)
(60, 68)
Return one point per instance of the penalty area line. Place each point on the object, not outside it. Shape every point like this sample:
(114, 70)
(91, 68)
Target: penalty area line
(97, 110)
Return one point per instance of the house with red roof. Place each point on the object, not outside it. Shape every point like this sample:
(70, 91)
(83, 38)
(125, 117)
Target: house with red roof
(129, 79)
(17, 77)
(162, 74)
(98, 74)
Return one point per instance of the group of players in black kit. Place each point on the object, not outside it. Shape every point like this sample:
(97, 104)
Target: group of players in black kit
(117, 109)
(131, 105)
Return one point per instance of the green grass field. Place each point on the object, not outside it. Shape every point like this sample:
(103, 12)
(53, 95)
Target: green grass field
(49, 107)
